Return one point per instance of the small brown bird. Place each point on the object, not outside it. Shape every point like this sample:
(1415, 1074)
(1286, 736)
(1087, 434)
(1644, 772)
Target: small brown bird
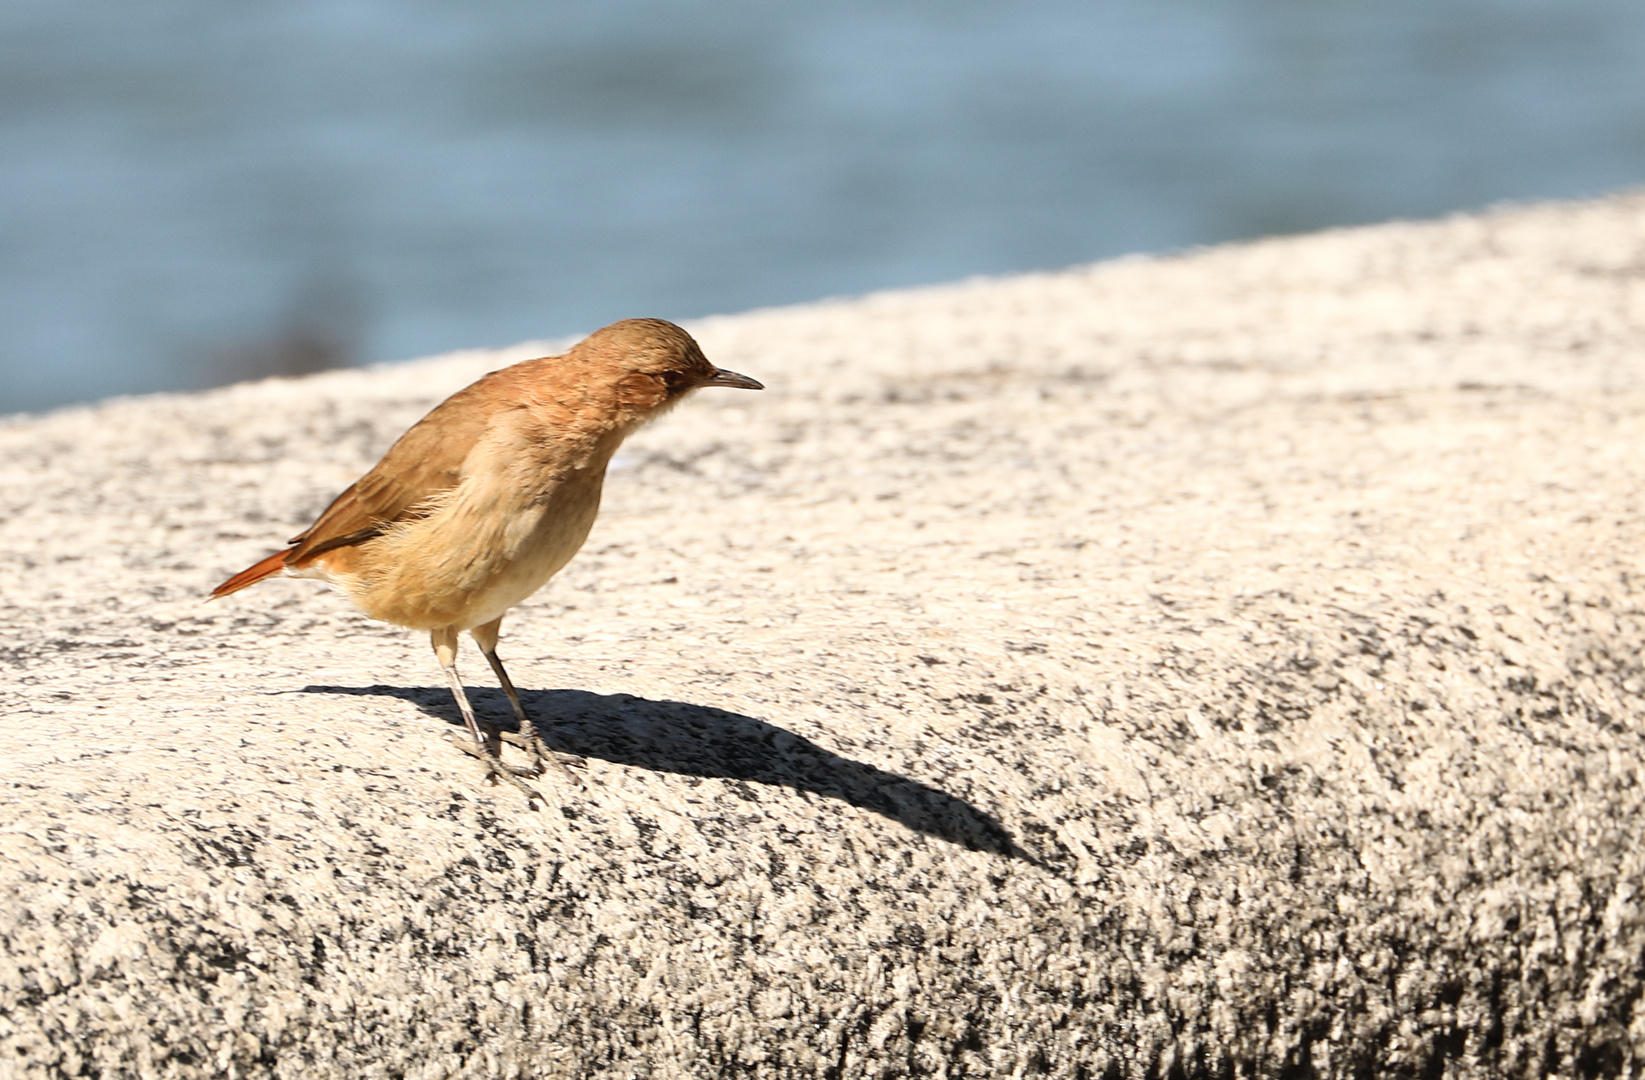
(489, 495)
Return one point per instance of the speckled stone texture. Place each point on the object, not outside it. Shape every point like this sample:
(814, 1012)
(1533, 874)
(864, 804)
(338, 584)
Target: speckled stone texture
(1224, 665)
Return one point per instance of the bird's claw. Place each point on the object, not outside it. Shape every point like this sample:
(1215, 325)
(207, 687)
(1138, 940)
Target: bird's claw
(497, 769)
(540, 752)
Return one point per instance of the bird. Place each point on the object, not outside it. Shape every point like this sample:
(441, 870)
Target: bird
(483, 500)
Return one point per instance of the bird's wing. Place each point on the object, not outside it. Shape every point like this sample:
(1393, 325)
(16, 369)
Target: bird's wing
(425, 461)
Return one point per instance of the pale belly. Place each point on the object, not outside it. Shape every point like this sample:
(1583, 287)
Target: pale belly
(469, 561)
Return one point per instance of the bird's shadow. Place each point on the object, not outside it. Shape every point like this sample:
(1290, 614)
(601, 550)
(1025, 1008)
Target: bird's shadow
(698, 740)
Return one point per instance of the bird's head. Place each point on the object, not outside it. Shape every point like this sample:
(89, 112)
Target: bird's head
(648, 365)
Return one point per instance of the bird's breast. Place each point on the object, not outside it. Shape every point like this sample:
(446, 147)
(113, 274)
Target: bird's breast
(477, 552)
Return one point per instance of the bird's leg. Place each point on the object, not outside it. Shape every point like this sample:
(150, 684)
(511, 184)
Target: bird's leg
(486, 638)
(486, 749)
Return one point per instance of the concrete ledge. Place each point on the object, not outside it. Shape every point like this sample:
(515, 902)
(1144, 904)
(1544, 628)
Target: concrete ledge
(1225, 665)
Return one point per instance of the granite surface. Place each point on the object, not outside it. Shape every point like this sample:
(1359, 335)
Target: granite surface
(1215, 665)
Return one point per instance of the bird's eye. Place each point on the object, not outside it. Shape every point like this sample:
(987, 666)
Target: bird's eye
(674, 380)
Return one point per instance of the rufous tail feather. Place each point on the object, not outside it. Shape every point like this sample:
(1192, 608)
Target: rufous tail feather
(251, 575)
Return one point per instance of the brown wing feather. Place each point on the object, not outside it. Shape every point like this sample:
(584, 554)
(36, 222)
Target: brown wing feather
(425, 461)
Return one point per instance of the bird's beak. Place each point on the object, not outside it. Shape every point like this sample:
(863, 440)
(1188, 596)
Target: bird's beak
(723, 377)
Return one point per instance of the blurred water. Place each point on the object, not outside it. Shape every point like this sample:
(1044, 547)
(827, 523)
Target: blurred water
(193, 192)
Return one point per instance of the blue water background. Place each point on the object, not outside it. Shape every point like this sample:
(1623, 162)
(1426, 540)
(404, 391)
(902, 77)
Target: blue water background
(193, 191)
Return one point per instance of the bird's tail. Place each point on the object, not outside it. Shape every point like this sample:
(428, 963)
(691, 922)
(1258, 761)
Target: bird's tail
(251, 575)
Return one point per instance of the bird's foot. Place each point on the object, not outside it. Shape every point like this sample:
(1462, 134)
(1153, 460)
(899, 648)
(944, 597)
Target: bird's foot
(541, 755)
(497, 769)
(540, 751)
